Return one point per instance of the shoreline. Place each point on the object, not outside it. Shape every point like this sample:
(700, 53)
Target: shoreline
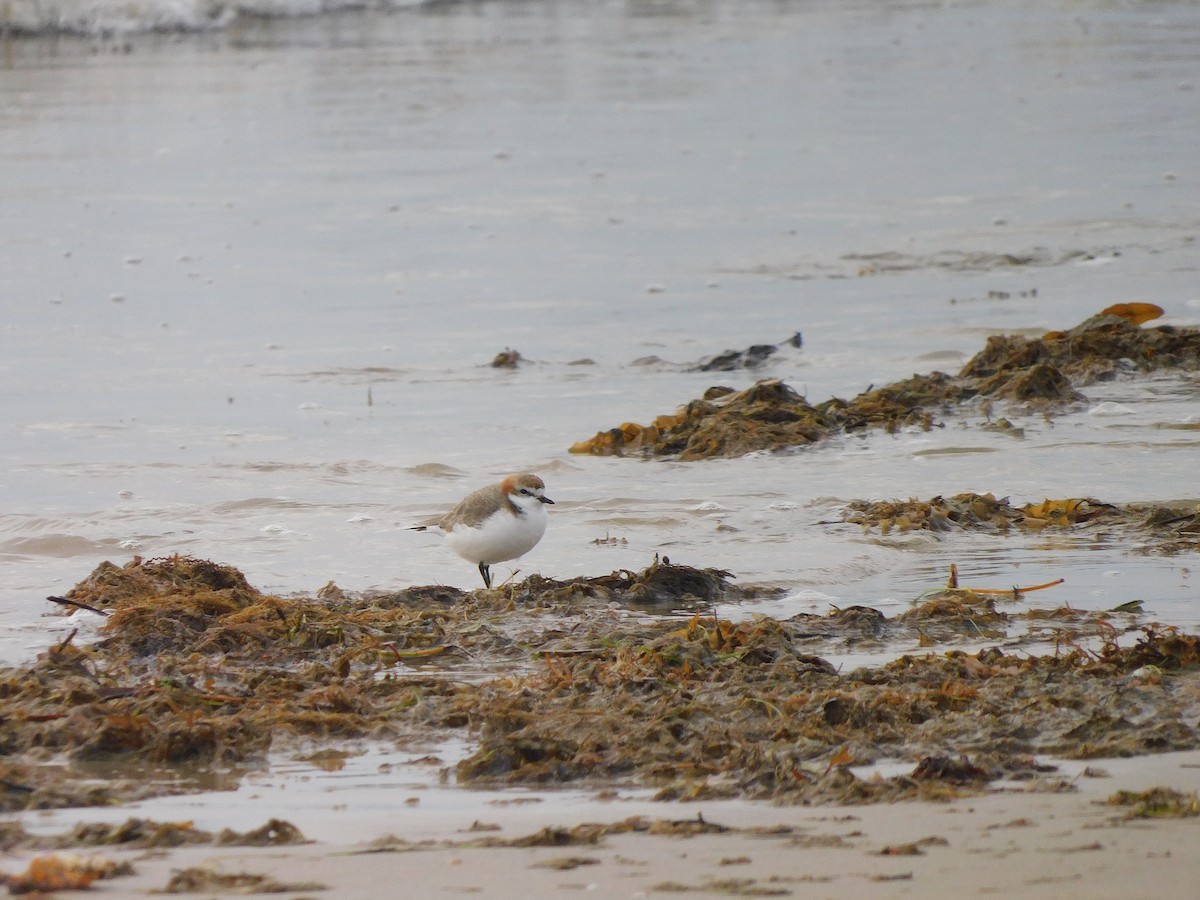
(1013, 840)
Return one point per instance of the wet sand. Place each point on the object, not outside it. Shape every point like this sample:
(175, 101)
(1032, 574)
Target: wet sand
(1015, 842)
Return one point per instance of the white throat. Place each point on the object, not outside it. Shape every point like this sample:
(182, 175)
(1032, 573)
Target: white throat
(528, 505)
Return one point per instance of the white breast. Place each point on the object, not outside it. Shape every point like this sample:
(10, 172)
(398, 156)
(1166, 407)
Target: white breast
(500, 537)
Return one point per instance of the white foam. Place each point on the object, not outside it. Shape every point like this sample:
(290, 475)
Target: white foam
(1111, 408)
(122, 17)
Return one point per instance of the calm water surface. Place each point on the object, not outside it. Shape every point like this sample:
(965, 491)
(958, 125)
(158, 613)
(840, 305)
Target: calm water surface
(253, 281)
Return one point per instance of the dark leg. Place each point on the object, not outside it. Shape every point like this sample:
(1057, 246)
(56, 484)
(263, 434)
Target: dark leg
(487, 575)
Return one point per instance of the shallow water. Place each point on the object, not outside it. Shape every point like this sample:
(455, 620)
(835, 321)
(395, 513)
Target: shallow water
(254, 280)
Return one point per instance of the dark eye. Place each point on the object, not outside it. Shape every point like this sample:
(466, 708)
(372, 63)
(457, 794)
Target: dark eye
(525, 491)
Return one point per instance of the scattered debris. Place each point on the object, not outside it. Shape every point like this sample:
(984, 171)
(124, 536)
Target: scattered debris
(609, 541)
(276, 833)
(63, 601)
(969, 261)
(753, 357)
(507, 359)
(730, 887)
(955, 771)
(914, 848)
(564, 863)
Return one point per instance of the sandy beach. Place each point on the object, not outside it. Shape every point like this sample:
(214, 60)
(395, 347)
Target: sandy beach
(1042, 840)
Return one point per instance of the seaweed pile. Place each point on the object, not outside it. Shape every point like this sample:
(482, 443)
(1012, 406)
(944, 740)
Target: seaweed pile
(1169, 528)
(715, 709)
(1043, 373)
(197, 675)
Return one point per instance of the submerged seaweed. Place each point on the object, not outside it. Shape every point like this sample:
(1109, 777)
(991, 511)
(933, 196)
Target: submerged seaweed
(197, 672)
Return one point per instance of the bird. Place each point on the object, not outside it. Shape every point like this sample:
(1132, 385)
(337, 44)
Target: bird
(499, 522)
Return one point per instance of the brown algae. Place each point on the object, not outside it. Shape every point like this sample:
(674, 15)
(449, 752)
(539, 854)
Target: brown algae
(1043, 373)
(1167, 528)
(197, 675)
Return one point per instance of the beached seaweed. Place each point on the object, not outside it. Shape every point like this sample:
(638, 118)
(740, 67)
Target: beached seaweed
(62, 872)
(203, 880)
(1166, 528)
(197, 675)
(137, 833)
(1157, 803)
(1041, 373)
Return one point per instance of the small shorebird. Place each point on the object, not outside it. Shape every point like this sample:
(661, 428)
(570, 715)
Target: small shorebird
(499, 522)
